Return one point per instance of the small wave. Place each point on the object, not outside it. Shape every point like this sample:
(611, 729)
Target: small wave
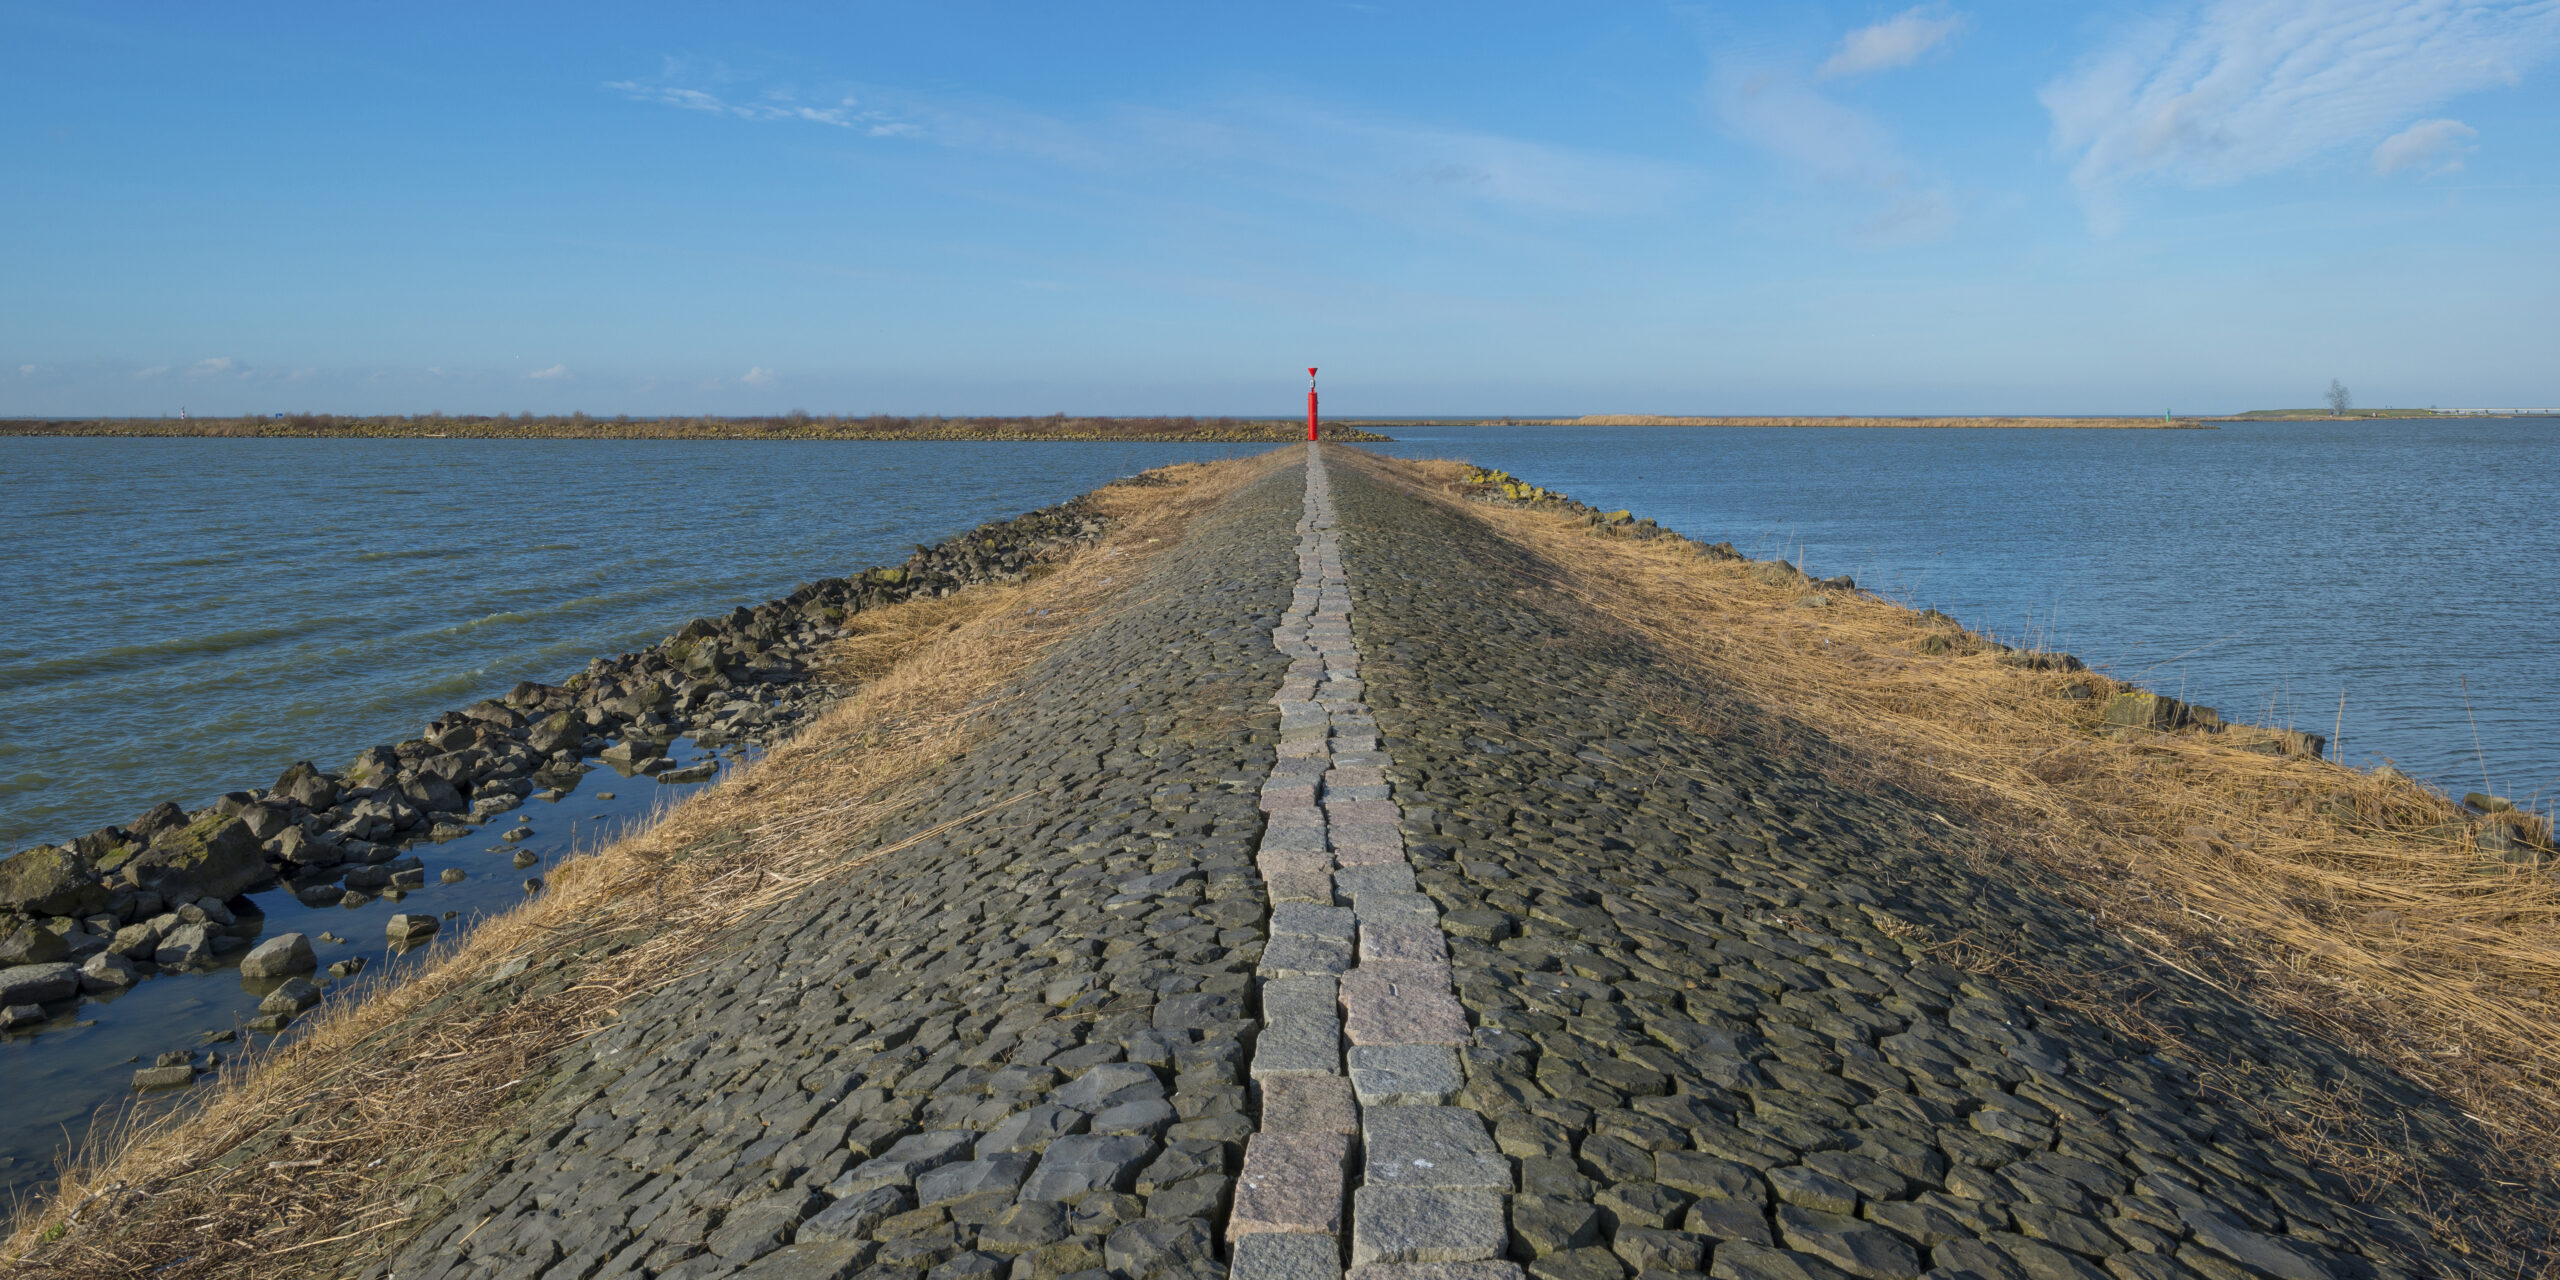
(413, 553)
(133, 657)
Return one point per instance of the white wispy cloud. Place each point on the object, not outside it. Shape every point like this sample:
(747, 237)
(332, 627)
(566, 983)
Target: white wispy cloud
(842, 111)
(155, 371)
(2429, 146)
(1373, 161)
(210, 367)
(756, 376)
(1841, 148)
(27, 370)
(1897, 41)
(2234, 89)
(555, 372)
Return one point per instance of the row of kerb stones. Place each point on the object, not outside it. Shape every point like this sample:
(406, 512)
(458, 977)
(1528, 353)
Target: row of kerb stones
(1428, 1202)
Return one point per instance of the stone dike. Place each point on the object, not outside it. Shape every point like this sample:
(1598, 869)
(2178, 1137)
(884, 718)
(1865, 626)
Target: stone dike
(1342, 898)
(166, 892)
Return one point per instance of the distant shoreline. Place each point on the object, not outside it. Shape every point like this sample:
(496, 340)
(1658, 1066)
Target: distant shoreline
(1184, 430)
(1660, 420)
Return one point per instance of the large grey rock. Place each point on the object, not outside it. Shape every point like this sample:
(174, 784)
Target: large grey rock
(184, 945)
(39, 983)
(212, 857)
(303, 849)
(280, 956)
(296, 995)
(50, 881)
(31, 944)
(108, 971)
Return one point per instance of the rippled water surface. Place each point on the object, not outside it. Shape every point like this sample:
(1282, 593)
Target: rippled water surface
(2263, 569)
(186, 617)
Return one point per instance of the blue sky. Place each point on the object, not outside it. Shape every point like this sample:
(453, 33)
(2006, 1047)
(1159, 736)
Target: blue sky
(1453, 208)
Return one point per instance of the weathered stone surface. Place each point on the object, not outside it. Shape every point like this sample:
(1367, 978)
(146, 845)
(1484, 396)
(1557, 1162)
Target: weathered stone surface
(1405, 1074)
(280, 956)
(1275, 1256)
(1291, 1182)
(1403, 1224)
(408, 927)
(1425, 1146)
(1309, 1104)
(213, 857)
(39, 983)
(49, 881)
(1402, 1004)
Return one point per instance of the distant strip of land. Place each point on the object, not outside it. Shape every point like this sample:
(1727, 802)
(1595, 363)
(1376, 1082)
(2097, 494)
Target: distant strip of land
(795, 426)
(1662, 420)
(2334, 415)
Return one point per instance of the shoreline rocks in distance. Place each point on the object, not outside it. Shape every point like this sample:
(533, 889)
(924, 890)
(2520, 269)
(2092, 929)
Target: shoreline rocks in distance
(168, 891)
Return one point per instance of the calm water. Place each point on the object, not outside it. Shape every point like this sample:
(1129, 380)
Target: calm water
(2260, 569)
(191, 616)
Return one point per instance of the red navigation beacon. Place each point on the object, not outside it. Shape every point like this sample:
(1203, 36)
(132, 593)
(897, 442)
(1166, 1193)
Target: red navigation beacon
(1311, 402)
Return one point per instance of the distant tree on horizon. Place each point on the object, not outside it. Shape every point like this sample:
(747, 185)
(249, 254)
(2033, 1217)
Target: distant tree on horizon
(2339, 400)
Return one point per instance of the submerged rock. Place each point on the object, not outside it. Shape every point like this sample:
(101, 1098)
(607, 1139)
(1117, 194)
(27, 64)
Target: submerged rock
(176, 1076)
(410, 928)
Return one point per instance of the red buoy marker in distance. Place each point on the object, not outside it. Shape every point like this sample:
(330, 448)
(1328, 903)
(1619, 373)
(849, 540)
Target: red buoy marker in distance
(1311, 402)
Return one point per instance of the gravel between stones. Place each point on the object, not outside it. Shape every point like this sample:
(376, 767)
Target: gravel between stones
(1017, 1049)
(1705, 1030)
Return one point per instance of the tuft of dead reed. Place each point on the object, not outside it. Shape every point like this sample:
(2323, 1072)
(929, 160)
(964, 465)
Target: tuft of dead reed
(2360, 905)
(328, 1147)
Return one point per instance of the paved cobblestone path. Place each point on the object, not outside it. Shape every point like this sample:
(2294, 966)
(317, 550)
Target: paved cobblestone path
(1701, 1032)
(1016, 1050)
(1470, 960)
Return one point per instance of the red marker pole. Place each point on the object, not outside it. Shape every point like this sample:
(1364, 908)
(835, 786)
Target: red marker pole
(1311, 403)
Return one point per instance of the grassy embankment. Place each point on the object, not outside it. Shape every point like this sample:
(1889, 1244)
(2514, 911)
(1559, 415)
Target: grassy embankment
(1662, 420)
(2356, 903)
(791, 426)
(308, 1159)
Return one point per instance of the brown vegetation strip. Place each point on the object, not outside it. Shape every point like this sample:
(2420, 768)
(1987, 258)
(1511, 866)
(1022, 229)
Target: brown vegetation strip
(2357, 904)
(326, 1139)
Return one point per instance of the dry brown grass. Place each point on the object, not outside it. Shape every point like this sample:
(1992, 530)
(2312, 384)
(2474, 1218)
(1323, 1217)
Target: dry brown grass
(324, 1142)
(2355, 903)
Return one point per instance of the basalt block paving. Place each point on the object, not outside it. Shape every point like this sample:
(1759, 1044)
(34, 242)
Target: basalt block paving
(1018, 1048)
(1703, 1010)
(1635, 987)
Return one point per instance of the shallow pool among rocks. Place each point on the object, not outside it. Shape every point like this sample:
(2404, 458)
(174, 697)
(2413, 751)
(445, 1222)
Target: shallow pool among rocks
(61, 1076)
